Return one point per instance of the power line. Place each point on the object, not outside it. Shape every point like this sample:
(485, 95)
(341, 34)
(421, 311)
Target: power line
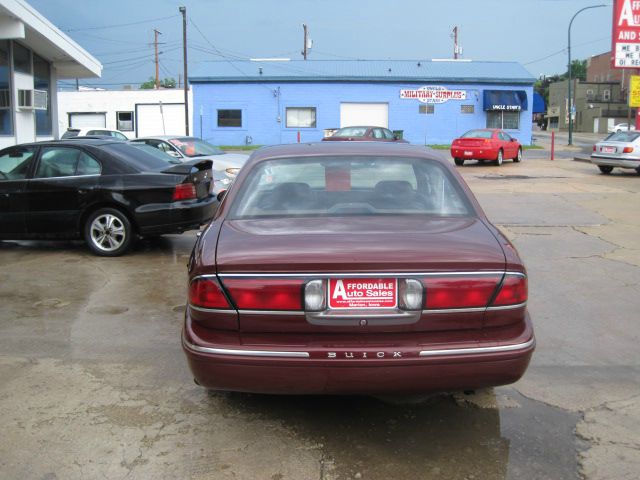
(564, 50)
(151, 20)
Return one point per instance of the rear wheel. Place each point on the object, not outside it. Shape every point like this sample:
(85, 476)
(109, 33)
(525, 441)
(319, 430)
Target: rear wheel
(518, 157)
(499, 159)
(459, 161)
(108, 232)
(606, 169)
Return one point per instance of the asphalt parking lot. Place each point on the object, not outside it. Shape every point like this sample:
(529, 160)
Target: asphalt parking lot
(93, 382)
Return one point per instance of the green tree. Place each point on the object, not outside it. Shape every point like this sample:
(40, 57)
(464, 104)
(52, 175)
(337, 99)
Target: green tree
(165, 83)
(578, 70)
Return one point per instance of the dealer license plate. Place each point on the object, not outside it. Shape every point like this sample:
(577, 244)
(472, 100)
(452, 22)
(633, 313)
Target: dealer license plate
(468, 153)
(363, 293)
(608, 149)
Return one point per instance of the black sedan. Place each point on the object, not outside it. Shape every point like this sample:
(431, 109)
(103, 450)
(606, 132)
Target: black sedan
(104, 191)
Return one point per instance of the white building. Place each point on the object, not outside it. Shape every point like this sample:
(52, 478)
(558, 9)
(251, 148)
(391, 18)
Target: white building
(34, 54)
(137, 113)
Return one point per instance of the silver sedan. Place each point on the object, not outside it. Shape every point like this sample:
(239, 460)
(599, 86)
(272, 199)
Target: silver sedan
(620, 149)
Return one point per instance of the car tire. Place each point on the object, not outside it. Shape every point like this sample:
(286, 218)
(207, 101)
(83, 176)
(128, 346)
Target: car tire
(108, 232)
(518, 157)
(606, 169)
(499, 158)
(459, 161)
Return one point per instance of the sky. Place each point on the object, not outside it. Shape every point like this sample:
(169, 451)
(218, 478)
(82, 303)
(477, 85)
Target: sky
(120, 33)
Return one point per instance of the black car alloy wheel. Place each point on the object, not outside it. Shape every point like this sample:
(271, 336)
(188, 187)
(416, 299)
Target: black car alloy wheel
(108, 232)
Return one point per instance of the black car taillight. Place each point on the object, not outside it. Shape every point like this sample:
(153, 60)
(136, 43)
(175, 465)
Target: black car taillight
(184, 191)
(206, 293)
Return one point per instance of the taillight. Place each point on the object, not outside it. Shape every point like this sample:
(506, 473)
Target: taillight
(627, 150)
(514, 291)
(594, 148)
(206, 293)
(265, 294)
(184, 191)
(463, 292)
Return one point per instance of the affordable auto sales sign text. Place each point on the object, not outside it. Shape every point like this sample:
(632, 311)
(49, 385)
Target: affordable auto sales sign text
(626, 34)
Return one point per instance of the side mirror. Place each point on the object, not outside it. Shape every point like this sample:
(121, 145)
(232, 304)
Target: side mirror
(512, 140)
(173, 153)
(221, 195)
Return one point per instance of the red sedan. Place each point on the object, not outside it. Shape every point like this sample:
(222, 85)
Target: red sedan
(347, 268)
(486, 144)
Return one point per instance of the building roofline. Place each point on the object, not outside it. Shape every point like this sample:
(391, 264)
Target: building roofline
(40, 34)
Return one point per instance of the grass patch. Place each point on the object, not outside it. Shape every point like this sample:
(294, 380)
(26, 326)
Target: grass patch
(448, 146)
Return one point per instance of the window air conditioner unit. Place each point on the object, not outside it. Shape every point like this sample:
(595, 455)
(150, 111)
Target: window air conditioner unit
(32, 99)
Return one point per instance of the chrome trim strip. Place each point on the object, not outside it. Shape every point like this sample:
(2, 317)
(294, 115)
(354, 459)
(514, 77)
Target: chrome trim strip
(476, 350)
(211, 310)
(507, 307)
(454, 310)
(349, 275)
(242, 353)
(273, 312)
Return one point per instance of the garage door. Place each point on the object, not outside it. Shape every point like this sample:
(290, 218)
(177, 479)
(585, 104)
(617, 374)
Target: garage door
(355, 114)
(88, 120)
(160, 119)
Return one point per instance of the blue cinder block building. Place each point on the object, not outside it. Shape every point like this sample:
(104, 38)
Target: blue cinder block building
(273, 101)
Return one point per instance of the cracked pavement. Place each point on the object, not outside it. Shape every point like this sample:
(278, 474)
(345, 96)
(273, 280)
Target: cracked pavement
(93, 383)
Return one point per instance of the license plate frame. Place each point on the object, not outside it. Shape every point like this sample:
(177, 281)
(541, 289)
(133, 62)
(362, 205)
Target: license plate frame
(468, 153)
(360, 293)
(608, 149)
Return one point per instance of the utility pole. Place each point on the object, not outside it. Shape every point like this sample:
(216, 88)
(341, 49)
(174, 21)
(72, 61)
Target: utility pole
(155, 46)
(304, 48)
(183, 11)
(455, 42)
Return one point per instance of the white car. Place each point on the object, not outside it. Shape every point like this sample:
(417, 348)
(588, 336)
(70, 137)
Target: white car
(188, 148)
(620, 149)
(85, 131)
(621, 127)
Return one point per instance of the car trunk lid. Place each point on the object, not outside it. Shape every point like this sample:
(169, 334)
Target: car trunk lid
(197, 172)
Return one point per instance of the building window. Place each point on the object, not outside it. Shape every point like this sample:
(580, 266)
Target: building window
(467, 108)
(124, 121)
(503, 120)
(21, 59)
(300, 117)
(606, 95)
(42, 81)
(6, 117)
(229, 118)
(426, 109)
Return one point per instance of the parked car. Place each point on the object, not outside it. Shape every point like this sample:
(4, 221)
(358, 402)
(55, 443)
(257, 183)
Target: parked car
(91, 131)
(621, 149)
(104, 191)
(485, 144)
(187, 148)
(621, 127)
(367, 134)
(352, 268)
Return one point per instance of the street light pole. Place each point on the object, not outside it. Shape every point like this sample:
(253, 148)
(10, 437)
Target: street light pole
(183, 11)
(569, 98)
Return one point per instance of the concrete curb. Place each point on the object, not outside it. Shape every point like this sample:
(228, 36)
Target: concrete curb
(582, 159)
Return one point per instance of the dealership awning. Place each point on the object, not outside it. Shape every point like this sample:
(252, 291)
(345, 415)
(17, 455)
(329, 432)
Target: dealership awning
(509, 100)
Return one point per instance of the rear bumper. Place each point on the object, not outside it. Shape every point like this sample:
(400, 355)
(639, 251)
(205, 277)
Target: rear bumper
(615, 161)
(475, 153)
(330, 367)
(175, 217)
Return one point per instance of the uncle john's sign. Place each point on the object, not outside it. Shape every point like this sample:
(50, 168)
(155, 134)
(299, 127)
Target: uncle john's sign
(433, 94)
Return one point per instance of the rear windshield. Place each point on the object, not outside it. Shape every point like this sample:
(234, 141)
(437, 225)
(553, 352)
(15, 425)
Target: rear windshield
(354, 185)
(136, 157)
(351, 132)
(623, 137)
(478, 134)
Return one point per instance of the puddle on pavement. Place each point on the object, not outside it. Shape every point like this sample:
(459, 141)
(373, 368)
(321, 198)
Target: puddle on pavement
(437, 438)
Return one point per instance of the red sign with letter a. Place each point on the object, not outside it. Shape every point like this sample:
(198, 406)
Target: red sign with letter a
(625, 36)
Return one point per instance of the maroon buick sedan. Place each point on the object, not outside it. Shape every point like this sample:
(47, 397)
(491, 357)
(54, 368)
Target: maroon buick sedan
(354, 268)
